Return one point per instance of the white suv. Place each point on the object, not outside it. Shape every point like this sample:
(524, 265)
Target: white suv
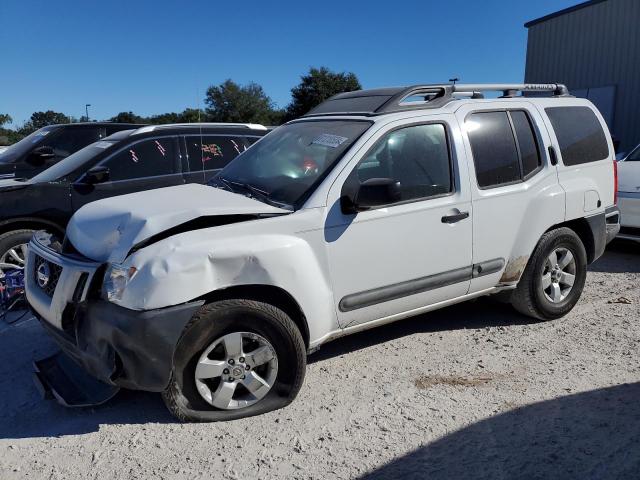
(375, 206)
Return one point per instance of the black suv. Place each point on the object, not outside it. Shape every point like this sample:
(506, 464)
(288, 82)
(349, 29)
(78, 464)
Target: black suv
(47, 146)
(125, 162)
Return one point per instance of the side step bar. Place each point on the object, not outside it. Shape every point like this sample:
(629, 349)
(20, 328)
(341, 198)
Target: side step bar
(59, 377)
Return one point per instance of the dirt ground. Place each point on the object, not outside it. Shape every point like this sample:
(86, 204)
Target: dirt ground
(470, 391)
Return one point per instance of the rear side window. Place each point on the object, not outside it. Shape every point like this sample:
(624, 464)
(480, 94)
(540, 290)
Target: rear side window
(149, 158)
(211, 152)
(504, 145)
(579, 134)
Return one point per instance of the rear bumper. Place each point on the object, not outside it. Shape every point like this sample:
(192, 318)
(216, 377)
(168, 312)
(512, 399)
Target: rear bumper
(121, 347)
(612, 222)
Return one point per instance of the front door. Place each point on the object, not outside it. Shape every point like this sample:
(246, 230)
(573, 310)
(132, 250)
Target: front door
(415, 252)
(144, 165)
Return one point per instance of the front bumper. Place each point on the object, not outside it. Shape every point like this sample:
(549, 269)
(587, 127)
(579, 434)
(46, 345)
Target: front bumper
(118, 346)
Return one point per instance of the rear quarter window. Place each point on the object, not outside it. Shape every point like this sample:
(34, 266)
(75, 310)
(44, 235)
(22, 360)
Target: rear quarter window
(579, 133)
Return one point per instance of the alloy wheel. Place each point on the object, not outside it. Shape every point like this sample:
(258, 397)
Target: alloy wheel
(14, 258)
(236, 370)
(558, 275)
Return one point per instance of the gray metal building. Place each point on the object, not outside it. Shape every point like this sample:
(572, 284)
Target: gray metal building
(594, 48)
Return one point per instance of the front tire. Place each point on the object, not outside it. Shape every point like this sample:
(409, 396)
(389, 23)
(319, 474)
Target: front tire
(13, 249)
(237, 358)
(554, 278)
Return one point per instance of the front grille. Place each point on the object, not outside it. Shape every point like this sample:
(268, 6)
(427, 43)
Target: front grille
(46, 275)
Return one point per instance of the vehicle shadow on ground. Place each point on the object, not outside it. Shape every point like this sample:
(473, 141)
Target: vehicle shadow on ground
(24, 414)
(480, 313)
(622, 256)
(595, 434)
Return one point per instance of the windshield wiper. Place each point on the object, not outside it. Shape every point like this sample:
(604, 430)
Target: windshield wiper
(255, 193)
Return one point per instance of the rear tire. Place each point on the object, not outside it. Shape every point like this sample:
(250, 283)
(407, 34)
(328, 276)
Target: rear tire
(548, 290)
(192, 399)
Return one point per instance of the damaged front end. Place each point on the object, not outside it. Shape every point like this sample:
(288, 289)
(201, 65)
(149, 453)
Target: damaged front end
(112, 346)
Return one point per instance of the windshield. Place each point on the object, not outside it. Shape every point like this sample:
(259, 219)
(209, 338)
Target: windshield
(18, 149)
(284, 166)
(74, 161)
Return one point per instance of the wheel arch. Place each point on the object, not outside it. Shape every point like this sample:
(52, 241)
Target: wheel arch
(587, 232)
(270, 294)
(30, 223)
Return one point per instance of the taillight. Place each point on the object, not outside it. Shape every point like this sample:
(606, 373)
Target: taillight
(615, 182)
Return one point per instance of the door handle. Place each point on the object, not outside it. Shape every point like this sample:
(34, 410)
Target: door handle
(456, 217)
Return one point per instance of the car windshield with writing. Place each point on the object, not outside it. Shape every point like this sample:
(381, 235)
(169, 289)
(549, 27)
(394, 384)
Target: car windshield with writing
(284, 167)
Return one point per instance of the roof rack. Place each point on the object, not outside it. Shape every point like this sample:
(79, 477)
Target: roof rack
(151, 128)
(388, 100)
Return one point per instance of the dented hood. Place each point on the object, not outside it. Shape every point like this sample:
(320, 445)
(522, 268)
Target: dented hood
(108, 229)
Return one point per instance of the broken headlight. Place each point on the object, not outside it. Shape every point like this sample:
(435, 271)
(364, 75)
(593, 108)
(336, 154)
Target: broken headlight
(115, 281)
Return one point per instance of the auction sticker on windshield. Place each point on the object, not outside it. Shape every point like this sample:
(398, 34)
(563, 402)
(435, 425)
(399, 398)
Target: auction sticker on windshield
(328, 140)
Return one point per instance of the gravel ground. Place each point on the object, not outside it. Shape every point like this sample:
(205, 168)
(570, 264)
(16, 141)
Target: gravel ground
(470, 391)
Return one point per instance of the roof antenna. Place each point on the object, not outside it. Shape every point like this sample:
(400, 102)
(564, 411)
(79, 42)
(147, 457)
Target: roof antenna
(454, 80)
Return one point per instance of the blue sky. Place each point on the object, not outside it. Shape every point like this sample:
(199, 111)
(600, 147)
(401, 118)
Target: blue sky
(159, 56)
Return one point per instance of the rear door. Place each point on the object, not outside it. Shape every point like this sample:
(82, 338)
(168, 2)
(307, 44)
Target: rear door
(514, 187)
(143, 165)
(207, 154)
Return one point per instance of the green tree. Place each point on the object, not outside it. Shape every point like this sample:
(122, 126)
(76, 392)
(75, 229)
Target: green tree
(193, 115)
(42, 119)
(230, 102)
(128, 117)
(315, 87)
(4, 119)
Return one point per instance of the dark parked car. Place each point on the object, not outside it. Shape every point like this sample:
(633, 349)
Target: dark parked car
(125, 162)
(47, 146)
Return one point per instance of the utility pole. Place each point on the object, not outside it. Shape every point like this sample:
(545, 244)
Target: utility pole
(86, 111)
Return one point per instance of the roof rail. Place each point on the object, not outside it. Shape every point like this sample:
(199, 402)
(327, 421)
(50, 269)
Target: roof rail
(511, 89)
(388, 100)
(151, 128)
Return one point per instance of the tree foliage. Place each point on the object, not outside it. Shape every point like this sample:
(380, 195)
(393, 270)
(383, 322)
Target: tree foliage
(4, 119)
(42, 119)
(230, 102)
(316, 86)
(189, 115)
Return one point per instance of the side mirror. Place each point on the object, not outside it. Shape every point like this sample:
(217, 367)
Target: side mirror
(40, 155)
(372, 193)
(96, 175)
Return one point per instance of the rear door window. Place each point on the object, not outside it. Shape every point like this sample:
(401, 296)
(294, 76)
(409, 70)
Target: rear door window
(504, 145)
(212, 152)
(579, 133)
(494, 149)
(148, 158)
